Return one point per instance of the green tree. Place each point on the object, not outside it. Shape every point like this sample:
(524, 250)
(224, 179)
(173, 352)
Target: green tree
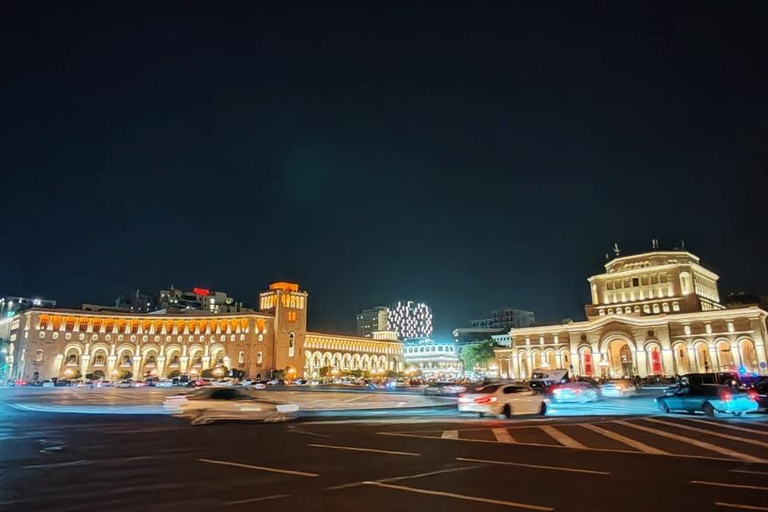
(478, 354)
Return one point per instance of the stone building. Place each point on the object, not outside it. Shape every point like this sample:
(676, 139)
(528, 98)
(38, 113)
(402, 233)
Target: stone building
(46, 343)
(656, 313)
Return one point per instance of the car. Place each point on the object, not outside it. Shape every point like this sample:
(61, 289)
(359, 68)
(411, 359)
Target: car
(503, 399)
(274, 382)
(246, 382)
(541, 379)
(574, 392)
(260, 385)
(211, 404)
(223, 383)
(127, 383)
(761, 390)
(444, 388)
(618, 389)
(709, 399)
(62, 383)
(165, 383)
(314, 383)
(47, 384)
(301, 382)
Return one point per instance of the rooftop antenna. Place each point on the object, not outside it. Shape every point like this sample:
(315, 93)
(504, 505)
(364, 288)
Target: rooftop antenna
(616, 249)
(655, 243)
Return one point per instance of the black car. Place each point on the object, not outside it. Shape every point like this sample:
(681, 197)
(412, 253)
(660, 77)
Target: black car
(761, 389)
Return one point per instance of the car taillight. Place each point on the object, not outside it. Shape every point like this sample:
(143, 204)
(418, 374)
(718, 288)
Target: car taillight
(725, 396)
(752, 394)
(557, 390)
(485, 399)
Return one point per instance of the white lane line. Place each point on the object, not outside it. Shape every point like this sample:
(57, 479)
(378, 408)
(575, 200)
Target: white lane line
(260, 468)
(695, 442)
(739, 506)
(356, 398)
(623, 439)
(502, 435)
(741, 439)
(534, 466)
(562, 438)
(749, 472)
(405, 477)
(734, 486)
(726, 425)
(254, 500)
(355, 449)
(81, 462)
(450, 434)
(464, 497)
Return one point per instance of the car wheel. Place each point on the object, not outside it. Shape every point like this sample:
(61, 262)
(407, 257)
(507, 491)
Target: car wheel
(200, 419)
(480, 415)
(506, 411)
(709, 410)
(543, 409)
(663, 407)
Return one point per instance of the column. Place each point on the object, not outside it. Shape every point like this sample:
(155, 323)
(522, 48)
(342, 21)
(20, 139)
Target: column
(160, 366)
(641, 362)
(84, 364)
(111, 360)
(714, 365)
(136, 370)
(667, 361)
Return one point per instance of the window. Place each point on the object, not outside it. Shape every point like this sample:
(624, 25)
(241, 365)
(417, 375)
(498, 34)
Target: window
(126, 359)
(72, 359)
(174, 359)
(654, 279)
(644, 280)
(39, 355)
(665, 307)
(675, 306)
(151, 360)
(55, 336)
(291, 345)
(197, 360)
(241, 357)
(100, 360)
(655, 309)
(259, 358)
(635, 281)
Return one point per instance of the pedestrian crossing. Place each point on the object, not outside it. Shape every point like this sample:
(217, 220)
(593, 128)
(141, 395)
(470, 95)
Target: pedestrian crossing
(745, 441)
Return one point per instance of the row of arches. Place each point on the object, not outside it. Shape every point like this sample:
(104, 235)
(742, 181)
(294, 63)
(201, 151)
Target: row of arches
(618, 357)
(346, 361)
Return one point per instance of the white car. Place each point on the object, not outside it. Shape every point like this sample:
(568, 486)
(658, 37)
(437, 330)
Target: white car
(165, 383)
(618, 389)
(503, 399)
(224, 383)
(574, 392)
(128, 383)
(212, 404)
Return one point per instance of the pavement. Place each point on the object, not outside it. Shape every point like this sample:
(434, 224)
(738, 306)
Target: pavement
(70, 462)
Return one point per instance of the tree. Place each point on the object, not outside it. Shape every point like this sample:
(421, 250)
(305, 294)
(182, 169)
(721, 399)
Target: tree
(478, 354)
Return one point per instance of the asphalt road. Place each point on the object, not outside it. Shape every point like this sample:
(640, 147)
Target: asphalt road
(70, 462)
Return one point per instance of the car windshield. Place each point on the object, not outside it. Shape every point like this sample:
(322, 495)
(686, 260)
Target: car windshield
(226, 394)
(487, 389)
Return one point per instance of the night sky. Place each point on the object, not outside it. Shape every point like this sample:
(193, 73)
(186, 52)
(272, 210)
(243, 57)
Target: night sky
(472, 156)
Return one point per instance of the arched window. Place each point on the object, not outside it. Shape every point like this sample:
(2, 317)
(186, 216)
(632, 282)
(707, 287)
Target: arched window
(259, 358)
(241, 357)
(99, 360)
(174, 359)
(39, 355)
(126, 359)
(72, 359)
(197, 360)
(655, 309)
(665, 307)
(151, 360)
(220, 360)
(291, 345)
(675, 306)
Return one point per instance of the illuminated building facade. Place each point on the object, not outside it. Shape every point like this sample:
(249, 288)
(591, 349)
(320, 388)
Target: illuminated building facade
(656, 313)
(46, 343)
(434, 359)
(410, 320)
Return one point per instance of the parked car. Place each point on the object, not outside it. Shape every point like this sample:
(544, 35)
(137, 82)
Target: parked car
(618, 389)
(574, 392)
(47, 384)
(444, 388)
(212, 404)
(503, 399)
(260, 385)
(127, 383)
(224, 383)
(165, 383)
(761, 390)
(710, 399)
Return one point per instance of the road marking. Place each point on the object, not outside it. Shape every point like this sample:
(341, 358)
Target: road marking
(535, 466)
(260, 468)
(735, 486)
(560, 447)
(450, 434)
(405, 477)
(695, 442)
(513, 504)
(502, 435)
(356, 398)
(354, 449)
(623, 439)
(254, 500)
(739, 506)
(709, 432)
(748, 472)
(562, 438)
(81, 462)
(726, 425)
